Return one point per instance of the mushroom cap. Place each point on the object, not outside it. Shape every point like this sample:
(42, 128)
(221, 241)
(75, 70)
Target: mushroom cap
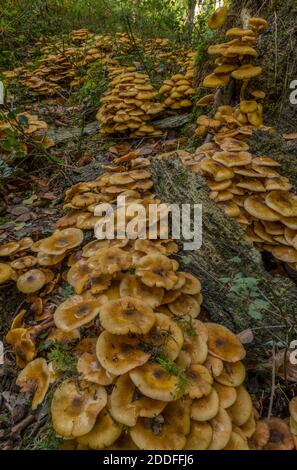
(285, 253)
(239, 32)
(171, 434)
(110, 260)
(156, 270)
(200, 436)
(61, 241)
(154, 382)
(280, 437)
(192, 284)
(237, 442)
(222, 429)
(23, 262)
(213, 81)
(248, 106)
(205, 408)
(216, 170)
(233, 159)
(77, 311)
(222, 343)
(249, 427)
(257, 207)
(199, 381)
(31, 281)
(245, 72)
(74, 410)
(165, 334)
(240, 50)
(127, 315)
(5, 272)
(258, 23)
(218, 18)
(261, 434)
(186, 305)
(9, 248)
(119, 354)
(229, 144)
(227, 395)
(282, 202)
(293, 408)
(23, 346)
(35, 377)
(132, 286)
(233, 374)
(91, 370)
(214, 365)
(242, 407)
(205, 100)
(105, 432)
(126, 407)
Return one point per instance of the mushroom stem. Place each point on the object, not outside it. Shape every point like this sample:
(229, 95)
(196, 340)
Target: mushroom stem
(243, 88)
(44, 326)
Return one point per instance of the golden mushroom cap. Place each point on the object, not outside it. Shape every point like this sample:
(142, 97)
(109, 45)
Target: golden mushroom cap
(104, 433)
(126, 409)
(218, 18)
(258, 23)
(127, 315)
(213, 81)
(77, 311)
(232, 159)
(31, 281)
(132, 286)
(156, 270)
(171, 434)
(165, 334)
(154, 382)
(200, 436)
(280, 437)
(257, 207)
(35, 377)
(242, 408)
(199, 381)
(9, 248)
(232, 374)
(282, 202)
(6, 272)
(222, 428)
(227, 395)
(293, 408)
(245, 72)
(91, 370)
(239, 32)
(205, 408)
(222, 343)
(74, 410)
(22, 345)
(119, 354)
(61, 241)
(110, 260)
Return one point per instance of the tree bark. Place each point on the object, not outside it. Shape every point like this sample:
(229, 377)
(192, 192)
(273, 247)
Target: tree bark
(222, 242)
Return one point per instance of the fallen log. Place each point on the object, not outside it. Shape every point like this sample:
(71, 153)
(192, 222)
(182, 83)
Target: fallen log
(224, 254)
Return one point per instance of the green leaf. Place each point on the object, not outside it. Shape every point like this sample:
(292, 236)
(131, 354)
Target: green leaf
(186, 260)
(254, 312)
(225, 280)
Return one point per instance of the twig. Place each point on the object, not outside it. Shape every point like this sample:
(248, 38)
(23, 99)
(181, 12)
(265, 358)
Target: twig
(272, 384)
(22, 425)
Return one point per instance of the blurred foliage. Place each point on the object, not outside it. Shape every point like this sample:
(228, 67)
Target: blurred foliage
(22, 22)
